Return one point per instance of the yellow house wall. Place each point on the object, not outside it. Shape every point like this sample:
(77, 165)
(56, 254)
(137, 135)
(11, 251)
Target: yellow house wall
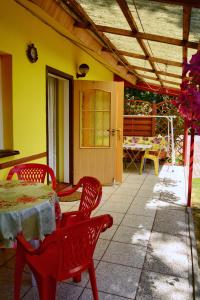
(18, 28)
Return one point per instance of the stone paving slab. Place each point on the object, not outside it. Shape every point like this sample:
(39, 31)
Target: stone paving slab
(156, 286)
(146, 255)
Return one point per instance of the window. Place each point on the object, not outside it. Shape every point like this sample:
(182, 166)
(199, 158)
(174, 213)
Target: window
(95, 117)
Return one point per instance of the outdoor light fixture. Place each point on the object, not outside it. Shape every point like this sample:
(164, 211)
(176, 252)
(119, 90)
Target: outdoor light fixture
(83, 69)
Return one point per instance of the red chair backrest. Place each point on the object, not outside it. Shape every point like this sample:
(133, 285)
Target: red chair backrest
(71, 249)
(33, 172)
(90, 196)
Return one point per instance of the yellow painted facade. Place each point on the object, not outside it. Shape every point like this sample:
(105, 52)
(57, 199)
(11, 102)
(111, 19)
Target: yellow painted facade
(18, 28)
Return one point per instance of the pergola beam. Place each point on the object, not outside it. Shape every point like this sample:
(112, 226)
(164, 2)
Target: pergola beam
(154, 59)
(189, 3)
(147, 36)
(129, 17)
(186, 29)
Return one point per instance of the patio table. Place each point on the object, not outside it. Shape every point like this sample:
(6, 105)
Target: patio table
(133, 151)
(26, 207)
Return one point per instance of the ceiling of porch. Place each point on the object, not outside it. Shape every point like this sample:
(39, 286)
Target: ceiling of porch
(149, 39)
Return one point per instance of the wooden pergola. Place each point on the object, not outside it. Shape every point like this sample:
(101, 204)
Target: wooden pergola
(143, 41)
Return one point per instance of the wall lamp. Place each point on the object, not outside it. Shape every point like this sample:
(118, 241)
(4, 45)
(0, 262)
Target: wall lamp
(83, 69)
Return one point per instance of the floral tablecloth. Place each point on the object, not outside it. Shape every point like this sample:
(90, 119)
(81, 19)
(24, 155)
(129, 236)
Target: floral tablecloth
(28, 207)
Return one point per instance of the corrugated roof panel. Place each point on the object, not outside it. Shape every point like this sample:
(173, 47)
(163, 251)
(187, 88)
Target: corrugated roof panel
(170, 69)
(138, 62)
(125, 43)
(156, 18)
(194, 35)
(175, 80)
(143, 73)
(165, 51)
(105, 12)
(156, 82)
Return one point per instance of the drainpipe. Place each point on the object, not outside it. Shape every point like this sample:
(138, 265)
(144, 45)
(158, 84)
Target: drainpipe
(190, 167)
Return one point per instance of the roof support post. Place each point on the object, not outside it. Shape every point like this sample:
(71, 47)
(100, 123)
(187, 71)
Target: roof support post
(190, 168)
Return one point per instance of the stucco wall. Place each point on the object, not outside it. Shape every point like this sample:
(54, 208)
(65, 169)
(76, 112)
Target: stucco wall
(18, 28)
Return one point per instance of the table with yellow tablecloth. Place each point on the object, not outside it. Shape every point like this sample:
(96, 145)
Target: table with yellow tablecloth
(26, 207)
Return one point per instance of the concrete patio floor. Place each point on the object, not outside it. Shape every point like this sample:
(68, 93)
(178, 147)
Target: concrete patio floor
(145, 255)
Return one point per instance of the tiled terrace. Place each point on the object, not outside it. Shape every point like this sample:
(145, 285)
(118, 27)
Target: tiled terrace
(145, 255)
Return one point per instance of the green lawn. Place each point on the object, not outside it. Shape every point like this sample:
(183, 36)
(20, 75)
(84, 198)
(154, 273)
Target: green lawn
(196, 211)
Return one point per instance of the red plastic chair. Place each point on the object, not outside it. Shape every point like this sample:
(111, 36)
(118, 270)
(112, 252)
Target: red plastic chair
(64, 254)
(33, 172)
(90, 199)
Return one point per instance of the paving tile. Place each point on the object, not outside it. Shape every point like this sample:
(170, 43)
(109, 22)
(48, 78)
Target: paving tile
(146, 198)
(131, 235)
(87, 295)
(146, 193)
(125, 191)
(125, 254)
(132, 184)
(118, 280)
(162, 287)
(109, 189)
(66, 206)
(116, 198)
(142, 210)
(6, 255)
(68, 291)
(117, 217)
(168, 254)
(100, 248)
(135, 181)
(163, 203)
(172, 198)
(75, 207)
(170, 221)
(105, 196)
(116, 207)
(138, 221)
(7, 283)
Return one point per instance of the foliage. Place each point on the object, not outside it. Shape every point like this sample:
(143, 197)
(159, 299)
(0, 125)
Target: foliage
(134, 94)
(188, 103)
(133, 107)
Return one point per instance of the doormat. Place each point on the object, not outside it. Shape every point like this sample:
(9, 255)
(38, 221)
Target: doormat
(72, 197)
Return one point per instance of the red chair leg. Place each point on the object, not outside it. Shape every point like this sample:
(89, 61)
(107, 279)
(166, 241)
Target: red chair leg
(93, 281)
(46, 288)
(77, 278)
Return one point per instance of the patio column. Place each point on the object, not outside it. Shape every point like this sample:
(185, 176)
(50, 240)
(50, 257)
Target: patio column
(185, 144)
(190, 167)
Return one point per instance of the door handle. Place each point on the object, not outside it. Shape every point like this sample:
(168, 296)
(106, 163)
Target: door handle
(111, 132)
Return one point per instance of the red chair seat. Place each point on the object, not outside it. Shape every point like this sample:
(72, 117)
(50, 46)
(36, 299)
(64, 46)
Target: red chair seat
(62, 255)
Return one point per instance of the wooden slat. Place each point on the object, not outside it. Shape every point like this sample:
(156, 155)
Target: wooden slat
(134, 126)
(155, 59)
(148, 36)
(129, 17)
(22, 160)
(189, 3)
(186, 29)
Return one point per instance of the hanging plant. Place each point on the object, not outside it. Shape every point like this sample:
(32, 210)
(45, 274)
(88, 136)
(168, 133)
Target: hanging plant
(188, 102)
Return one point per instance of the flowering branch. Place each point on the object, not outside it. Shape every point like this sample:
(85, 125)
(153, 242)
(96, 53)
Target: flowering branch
(188, 102)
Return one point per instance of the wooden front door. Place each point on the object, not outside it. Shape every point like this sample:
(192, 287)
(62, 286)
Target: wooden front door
(98, 130)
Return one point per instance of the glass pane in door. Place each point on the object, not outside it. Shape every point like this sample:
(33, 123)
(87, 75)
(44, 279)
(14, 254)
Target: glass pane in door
(95, 112)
